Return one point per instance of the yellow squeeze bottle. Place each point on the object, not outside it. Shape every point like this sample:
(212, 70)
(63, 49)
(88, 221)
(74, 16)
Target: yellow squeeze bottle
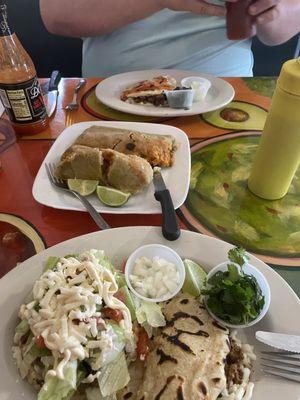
(278, 154)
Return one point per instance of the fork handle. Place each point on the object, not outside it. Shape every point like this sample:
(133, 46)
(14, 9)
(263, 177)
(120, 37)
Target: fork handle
(79, 85)
(101, 223)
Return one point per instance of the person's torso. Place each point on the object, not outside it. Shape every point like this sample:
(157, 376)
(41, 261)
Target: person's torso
(168, 39)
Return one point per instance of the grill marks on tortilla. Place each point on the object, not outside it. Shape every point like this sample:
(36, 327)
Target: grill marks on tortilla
(127, 395)
(184, 301)
(170, 379)
(217, 325)
(177, 342)
(161, 392)
(175, 339)
(182, 314)
(180, 393)
(165, 357)
(202, 388)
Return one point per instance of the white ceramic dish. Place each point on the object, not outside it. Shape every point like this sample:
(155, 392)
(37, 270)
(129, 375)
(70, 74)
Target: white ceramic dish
(119, 244)
(109, 90)
(150, 251)
(262, 283)
(176, 177)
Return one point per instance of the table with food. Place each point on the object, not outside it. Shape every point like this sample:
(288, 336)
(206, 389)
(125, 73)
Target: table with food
(150, 237)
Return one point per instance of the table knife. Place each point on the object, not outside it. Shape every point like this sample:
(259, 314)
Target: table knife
(280, 341)
(52, 93)
(170, 226)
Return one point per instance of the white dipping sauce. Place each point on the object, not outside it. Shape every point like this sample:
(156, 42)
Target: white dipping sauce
(154, 278)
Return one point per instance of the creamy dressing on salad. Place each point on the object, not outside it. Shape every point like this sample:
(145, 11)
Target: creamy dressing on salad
(66, 311)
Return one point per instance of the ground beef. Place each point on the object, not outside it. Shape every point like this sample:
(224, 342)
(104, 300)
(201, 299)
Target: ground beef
(156, 100)
(233, 365)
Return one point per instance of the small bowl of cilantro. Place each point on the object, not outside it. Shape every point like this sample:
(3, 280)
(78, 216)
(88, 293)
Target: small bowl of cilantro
(236, 293)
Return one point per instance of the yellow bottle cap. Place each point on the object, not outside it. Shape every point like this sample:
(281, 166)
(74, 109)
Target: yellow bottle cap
(289, 78)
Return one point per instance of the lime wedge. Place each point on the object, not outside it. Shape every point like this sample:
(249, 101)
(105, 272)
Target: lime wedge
(112, 197)
(82, 186)
(194, 278)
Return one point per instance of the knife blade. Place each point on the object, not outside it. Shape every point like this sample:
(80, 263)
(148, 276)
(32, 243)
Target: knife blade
(52, 93)
(280, 341)
(170, 226)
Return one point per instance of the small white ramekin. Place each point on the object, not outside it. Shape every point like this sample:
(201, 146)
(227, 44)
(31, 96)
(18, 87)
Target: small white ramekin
(262, 283)
(150, 251)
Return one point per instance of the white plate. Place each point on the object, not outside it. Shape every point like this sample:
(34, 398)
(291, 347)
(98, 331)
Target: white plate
(176, 177)
(109, 90)
(118, 244)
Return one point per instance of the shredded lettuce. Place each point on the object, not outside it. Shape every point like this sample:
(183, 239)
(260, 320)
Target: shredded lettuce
(23, 327)
(114, 376)
(59, 389)
(118, 343)
(102, 259)
(38, 352)
(121, 281)
(51, 263)
(149, 313)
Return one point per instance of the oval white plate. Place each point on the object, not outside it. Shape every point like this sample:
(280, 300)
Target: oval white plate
(118, 244)
(176, 178)
(109, 90)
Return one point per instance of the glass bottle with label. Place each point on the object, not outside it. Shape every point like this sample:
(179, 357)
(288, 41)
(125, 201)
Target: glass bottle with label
(19, 87)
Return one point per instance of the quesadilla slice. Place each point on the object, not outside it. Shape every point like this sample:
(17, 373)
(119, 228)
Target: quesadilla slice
(194, 358)
(158, 150)
(150, 91)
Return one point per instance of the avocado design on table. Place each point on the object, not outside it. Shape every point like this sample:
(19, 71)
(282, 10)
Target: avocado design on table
(238, 115)
(220, 200)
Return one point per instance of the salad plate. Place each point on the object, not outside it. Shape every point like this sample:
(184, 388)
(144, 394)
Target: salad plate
(118, 244)
(110, 89)
(176, 176)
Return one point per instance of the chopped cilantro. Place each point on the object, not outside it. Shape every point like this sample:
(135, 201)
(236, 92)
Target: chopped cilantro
(232, 295)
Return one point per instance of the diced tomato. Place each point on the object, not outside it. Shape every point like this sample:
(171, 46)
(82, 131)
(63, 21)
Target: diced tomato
(115, 315)
(100, 323)
(123, 265)
(40, 342)
(142, 346)
(120, 296)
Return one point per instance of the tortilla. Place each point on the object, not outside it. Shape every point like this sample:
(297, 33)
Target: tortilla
(157, 150)
(128, 173)
(188, 358)
(150, 91)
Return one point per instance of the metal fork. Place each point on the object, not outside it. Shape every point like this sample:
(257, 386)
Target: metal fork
(281, 363)
(60, 184)
(74, 103)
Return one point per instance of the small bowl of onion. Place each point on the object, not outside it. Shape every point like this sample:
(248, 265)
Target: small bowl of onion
(154, 273)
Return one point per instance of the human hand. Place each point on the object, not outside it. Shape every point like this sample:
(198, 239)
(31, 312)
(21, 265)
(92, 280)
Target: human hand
(265, 11)
(195, 6)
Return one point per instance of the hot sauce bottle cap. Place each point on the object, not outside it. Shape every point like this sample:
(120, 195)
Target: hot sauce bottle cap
(289, 78)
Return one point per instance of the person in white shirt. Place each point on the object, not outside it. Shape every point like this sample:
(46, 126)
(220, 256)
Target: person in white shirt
(125, 35)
